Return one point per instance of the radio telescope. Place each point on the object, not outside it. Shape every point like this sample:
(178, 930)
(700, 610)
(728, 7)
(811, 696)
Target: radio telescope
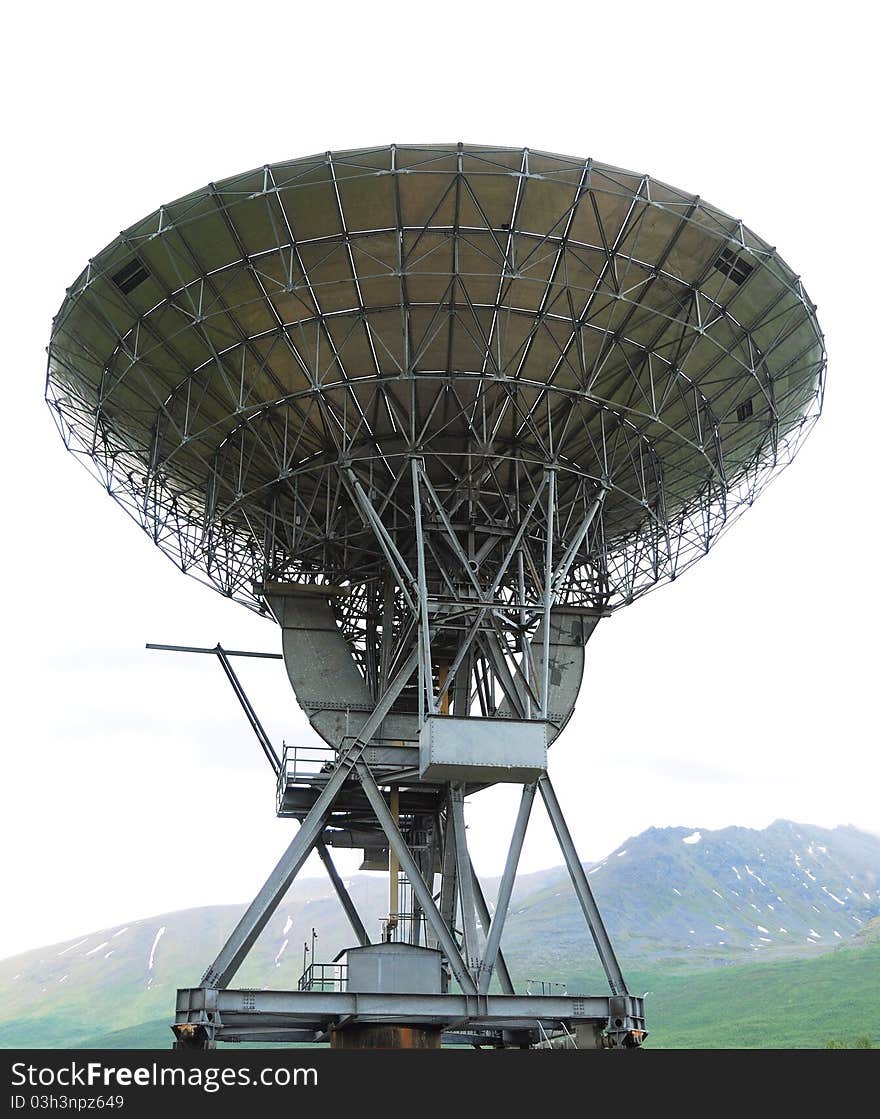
(436, 410)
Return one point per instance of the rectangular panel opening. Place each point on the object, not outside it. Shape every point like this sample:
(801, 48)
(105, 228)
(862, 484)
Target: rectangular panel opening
(734, 267)
(130, 276)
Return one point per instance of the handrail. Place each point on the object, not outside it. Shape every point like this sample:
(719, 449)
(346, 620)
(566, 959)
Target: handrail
(546, 986)
(324, 977)
(302, 763)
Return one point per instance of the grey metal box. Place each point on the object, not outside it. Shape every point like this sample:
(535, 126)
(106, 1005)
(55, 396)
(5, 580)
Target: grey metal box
(391, 968)
(481, 750)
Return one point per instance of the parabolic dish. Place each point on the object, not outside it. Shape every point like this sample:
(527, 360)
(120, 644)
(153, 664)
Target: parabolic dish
(496, 311)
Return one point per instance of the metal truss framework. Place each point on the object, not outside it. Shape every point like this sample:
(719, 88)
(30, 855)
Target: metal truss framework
(455, 639)
(426, 833)
(234, 365)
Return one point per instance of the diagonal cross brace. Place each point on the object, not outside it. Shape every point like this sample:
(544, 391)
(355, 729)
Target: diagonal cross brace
(561, 573)
(486, 921)
(344, 896)
(405, 578)
(263, 738)
(505, 889)
(490, 645)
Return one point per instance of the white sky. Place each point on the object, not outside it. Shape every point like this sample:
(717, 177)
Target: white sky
(745, 692)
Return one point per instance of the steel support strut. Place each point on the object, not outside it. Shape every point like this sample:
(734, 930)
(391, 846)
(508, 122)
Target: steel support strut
(505, 889)
(548, 593)
(246, 705)
(344, 896)
(582, 888)
(223, 656)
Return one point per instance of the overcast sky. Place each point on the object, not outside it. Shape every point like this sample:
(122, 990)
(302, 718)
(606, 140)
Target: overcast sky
(745, 692)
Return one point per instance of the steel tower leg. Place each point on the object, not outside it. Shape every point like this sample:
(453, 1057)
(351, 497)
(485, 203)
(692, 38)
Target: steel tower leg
(448, 881)
(505, 889)
(258, 913)
(485, 919)
(465, 881)
(582, 888)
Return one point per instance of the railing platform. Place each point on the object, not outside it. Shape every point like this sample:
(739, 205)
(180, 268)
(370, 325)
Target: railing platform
(305, 770)
(324, 977)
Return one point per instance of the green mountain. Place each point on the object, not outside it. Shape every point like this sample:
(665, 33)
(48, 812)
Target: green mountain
(741, 937)
(688, 897)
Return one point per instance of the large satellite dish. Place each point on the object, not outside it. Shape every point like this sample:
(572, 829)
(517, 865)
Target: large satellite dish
(437, 409)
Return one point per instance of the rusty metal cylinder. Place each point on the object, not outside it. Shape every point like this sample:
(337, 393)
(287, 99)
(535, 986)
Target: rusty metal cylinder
(386, 1037)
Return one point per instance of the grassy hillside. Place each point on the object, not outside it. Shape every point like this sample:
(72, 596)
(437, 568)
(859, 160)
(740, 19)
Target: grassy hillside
(773, 1004)
(792, 1004)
